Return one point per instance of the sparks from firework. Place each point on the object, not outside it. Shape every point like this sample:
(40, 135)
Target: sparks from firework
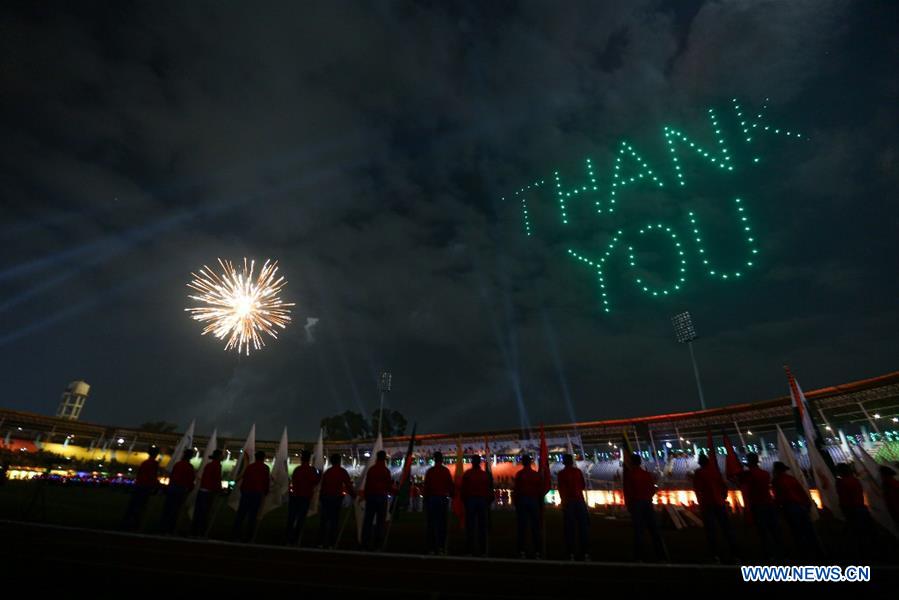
(238, 306)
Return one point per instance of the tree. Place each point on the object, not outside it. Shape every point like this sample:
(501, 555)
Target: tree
(158, 427)
(394, 423)
(348, 425)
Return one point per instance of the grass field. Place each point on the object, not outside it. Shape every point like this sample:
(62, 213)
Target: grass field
(611, 536)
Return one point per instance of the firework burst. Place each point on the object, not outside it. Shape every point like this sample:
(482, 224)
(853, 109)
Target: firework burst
(239, 306)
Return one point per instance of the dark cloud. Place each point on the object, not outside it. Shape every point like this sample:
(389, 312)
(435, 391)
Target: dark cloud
(369, 149)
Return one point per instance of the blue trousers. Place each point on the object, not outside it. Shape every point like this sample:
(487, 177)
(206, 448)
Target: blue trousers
(644, 519)
(577, 528)
(297, 509)
(201, 512)
(373, 522)
(765, 518)
(476, 525)
(329, 520)
(435, 511)
(714, 518)
(136, 505)
(174, 497)
(248, 509)
(527, 513)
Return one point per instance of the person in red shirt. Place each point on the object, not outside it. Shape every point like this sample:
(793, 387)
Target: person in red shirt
(477, 496)
(527, 496)
(254, 486)
(335, 483)
(796, 504)
(302, 487)
(859, 524)
(756, 485)
(639, 489)
(574, 510)
(711, 494)
(181, 483)
(210, 487)
(378, 487)
(145, 484)
(890, 491)
(438, 488)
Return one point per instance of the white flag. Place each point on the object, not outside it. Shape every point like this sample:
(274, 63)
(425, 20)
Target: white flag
(359, 505)
(824, 480)
(245, 460)
(785, 452)
(207, 452)
(186, 441)
(318, 461)
(869, 474)
(280, 486)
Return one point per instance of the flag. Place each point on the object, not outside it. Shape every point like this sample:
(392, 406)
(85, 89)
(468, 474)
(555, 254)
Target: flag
(280, 486)
(244, 460)
(489, 461)
(318, 461)
(869, 475)
(571, 448)
(402, 496)
(186, 441)
(458, 505)
(804, 423)
(713, 455)
(544, 462)
(359, 504)
(821, 468)
(732, 465)
(207, 452)
(785, 452)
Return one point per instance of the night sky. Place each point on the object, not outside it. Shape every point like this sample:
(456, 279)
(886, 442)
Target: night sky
(374, 149)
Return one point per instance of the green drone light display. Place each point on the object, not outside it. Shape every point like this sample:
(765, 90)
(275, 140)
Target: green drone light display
(688, 246)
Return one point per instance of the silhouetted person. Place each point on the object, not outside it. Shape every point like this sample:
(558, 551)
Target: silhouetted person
(476, 495)
(890, 487)
(527, 496)
(796, 505)
(756, 484)
(254, 486)
(378, 487)
(180, 484)
(574, 510)
(210, 487)
(437, 489)
(302, 487)
(639, 489)
(859, 525)
(711, 495)
(335, 483)
(145, 484)
(4, 470)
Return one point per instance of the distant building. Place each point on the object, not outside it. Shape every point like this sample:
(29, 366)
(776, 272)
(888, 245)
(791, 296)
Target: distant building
(72, 400)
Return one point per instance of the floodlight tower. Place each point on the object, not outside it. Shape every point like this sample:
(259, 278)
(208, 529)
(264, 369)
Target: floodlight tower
(683, 329)
(384, 383)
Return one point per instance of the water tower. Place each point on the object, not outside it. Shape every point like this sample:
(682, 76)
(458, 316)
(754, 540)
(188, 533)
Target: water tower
(72, 400)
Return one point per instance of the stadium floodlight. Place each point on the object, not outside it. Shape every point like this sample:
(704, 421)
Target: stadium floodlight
(385, 382)
(686, 334)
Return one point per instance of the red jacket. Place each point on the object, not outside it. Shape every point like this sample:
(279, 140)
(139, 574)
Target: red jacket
(336, 481)
(303, 481)
(438, 482)
(211, 479)
(709, 487)
(378, 481)
(849, 490)
(891, 496)
(528, 484)
(147, 474)
(256, 479)
(476, 484)
(757, 487)
(183, 475)
(638, 485)
(571, 485)
(787, 490)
